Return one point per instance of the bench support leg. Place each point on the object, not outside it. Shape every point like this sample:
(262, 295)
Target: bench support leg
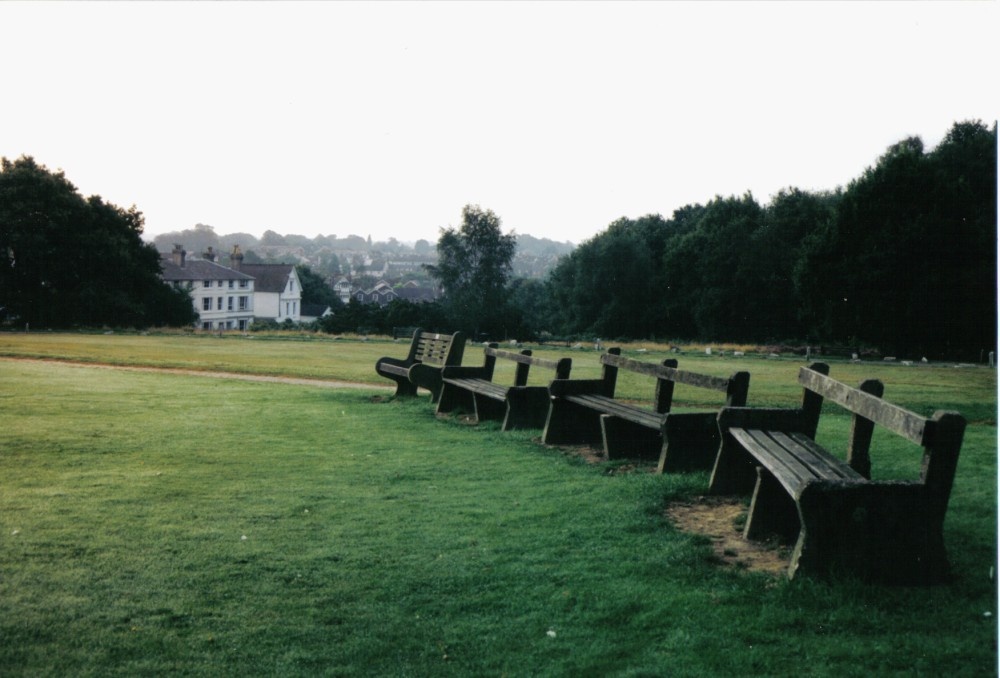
(626, 440)
(488, 409)
(734, 471)
(453, 398)
(527, 408)
(772, 511)
(690, 442)
(879, 531)
(570, 424)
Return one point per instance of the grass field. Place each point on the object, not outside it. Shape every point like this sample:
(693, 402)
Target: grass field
(155, 523)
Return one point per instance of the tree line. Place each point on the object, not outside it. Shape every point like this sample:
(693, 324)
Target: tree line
(902, 261)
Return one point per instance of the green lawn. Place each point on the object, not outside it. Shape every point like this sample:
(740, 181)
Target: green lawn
(163, 523)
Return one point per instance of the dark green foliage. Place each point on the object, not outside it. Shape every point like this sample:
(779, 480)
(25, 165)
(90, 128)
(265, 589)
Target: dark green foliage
(315, 290)
(903, 259)
(72, 261)
(474, 265)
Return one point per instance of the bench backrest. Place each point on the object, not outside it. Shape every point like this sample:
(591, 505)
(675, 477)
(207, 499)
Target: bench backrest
(940, 436)
(524, 361)
(667, 376)
(437, 349)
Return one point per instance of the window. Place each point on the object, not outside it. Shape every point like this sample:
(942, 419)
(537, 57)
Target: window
(218, 304)
(221, 283)
(243, 303)
(231, 284)
(291, 285)
(206, 325)
(206, 304)
(243, 284)
(243, 323)
(229, 304)
(207, 283)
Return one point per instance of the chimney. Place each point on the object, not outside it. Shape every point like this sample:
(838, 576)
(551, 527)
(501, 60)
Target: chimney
(178, 256)
(236, 258)
(209, 255)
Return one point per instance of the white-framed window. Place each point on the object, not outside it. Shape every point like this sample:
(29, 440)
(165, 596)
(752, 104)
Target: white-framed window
(218, 304)
(207, 325)
(229, 304)
(243, 323)
(206, 304)
(243, 284)
(231, 284)
(243, 303)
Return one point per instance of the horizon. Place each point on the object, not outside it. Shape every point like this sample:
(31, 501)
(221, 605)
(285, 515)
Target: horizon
(385, 119)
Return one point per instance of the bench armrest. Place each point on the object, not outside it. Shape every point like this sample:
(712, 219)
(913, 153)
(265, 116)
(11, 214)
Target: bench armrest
(788, 420)
(466, 372)
(397, 362)
(568, 387)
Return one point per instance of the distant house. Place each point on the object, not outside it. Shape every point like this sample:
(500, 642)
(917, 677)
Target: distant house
(416, 293)
(343, 288)
(277, 289)
(381, 294)
(222, 297)
(311, 312)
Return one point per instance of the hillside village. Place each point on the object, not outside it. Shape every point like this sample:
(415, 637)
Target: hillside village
(235, 279)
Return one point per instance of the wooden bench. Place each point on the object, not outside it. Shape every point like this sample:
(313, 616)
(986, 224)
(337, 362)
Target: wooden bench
(429, 354)
(520, 406)
(840, 519)
(585, 411)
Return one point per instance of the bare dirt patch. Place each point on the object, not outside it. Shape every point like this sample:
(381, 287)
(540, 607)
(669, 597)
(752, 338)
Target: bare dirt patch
(720, 519)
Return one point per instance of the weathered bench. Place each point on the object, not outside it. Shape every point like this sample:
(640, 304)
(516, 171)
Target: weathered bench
(840, 519)
(429, 354)
(585, 411)
(519, 406)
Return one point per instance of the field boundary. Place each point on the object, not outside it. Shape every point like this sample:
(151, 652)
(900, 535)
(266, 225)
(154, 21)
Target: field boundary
(296, 381)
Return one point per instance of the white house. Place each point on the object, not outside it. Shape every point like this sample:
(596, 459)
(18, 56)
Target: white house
(277, 289)
(222, 297)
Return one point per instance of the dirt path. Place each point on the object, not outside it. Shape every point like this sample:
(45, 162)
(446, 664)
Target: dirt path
(319, 383)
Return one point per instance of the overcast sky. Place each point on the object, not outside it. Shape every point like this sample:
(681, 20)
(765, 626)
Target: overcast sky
(385, 119)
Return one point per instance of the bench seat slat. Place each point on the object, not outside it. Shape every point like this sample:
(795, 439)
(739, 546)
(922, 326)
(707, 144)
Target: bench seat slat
(794, 460)
(481, 386)
(617, 408)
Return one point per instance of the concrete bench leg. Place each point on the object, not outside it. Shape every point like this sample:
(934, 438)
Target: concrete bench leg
(772, 511)
(527, 408)
(735, 471)
(454, 398)
(570, 424)
(488, 409)
(627, 440)
(878, 531)
(690, 443)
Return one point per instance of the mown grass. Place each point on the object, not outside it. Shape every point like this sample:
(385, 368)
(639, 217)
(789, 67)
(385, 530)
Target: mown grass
(154, 523)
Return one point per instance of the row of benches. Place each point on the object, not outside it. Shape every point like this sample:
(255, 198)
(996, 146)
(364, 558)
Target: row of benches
(835, 514)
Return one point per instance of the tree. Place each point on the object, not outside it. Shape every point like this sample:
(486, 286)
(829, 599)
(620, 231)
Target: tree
(74, 261)
(474, 265)
(315, 290)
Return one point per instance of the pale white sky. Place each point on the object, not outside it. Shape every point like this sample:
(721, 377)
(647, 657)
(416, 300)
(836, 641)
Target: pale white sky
(384, 119)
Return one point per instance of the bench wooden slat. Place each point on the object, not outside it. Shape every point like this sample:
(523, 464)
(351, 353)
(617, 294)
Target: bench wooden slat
(619, 409)
(670, 373)
(908, 424)
(794, 460)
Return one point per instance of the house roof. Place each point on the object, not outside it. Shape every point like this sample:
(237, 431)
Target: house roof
(269, 277)
(198, 269)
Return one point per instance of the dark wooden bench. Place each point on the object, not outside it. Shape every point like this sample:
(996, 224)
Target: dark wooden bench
(585, 411)
(520, 406)
(839, 519)
(429, 354)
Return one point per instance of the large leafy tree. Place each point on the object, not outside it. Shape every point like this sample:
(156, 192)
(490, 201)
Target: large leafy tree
(908, 263)
(73, 261)
(474, 267)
